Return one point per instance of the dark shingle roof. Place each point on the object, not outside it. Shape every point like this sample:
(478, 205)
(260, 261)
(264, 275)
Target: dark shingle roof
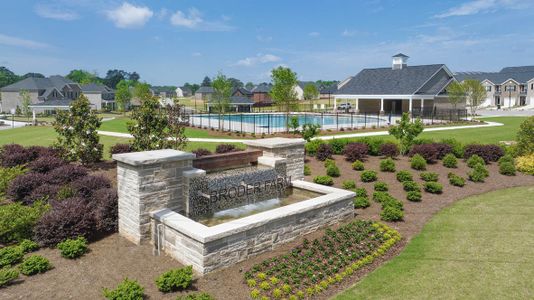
(519, 74)
(35, 84)
(262, 88)
(386, 81)
(96, 87)
(400, 55)
(242, 90)
(237, 100)
(205, 90)
(303, 84)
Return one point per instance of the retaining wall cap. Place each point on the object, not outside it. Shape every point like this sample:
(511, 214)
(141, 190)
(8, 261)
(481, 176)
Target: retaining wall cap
(152, 157)
(277, 142)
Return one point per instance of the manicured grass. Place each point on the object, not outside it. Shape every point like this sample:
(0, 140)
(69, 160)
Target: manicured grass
(479, 248)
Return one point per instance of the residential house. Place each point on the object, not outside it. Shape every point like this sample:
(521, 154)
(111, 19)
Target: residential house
(510, 87)
(261, 96)
(241, 92)
(301, 85)
(204, 93)
(99, 95)
(185, 91)
(236, 104)
(396, 89)
(164, 92)
(326, 91)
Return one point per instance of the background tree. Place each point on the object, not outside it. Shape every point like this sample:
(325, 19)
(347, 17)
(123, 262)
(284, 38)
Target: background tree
(249, 86)
(7, 77)
(236, 83)
(123, 95)
(113, 77)
(406, 131)
(83, 77)
(456, 92)
(142, 91)
(134, 77)
(25, 103)
(282, 90)
(32, 75)
(310, 93)
(194, 87)
(475, 93)
(206, 81)
(149, 126)
(222, 90)
(77, 132)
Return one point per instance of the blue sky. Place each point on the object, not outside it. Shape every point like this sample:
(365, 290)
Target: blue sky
(171, 42)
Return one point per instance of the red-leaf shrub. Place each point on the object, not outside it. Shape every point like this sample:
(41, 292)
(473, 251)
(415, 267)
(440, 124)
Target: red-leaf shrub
(45, 192)
(225, 148)
(389, 150)
(23, 185)
(324, 152)
(488, 153)
(45, 164)
(442, 149)
(120, 148)
(13, 155)
(427, 151)
(355, 151)
(66, 174)
(85, 186)
(40, 151)
(68, 218)
(104, 205)
(201, 152)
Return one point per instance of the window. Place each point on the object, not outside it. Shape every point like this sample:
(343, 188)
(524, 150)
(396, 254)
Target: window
(532, 86)
(488, 88)
(497, 88)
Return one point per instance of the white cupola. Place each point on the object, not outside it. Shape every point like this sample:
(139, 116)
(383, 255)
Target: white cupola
(399, 61)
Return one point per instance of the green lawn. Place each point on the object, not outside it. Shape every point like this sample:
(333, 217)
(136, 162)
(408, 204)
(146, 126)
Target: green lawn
(479, 248)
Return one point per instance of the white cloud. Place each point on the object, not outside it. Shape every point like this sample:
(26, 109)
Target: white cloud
(130, 16)
(56, 13)
(19, 42)
(196, 54)
(193, 20)
(264, 39)
(484, 6)
(258, 59)
(314, 34)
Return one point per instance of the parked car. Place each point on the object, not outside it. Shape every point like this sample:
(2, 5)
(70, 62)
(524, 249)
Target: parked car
(344, 106)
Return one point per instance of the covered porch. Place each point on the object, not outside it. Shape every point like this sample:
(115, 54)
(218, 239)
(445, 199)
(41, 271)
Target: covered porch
(385, 104)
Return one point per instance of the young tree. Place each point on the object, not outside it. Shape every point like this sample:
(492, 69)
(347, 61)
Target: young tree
(283, 91)
(406, 131)
(456, 92)
(25, 102)
(222, 90)
(309, 131)
(123, 95)
(475, 94)
(149, 126)
(178, 121)
(525, 137)
(142, 91)
(311, 93)
(77, 132)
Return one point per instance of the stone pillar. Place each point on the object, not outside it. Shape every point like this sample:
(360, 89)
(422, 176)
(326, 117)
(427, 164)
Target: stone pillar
(290, 149)
(149, 181)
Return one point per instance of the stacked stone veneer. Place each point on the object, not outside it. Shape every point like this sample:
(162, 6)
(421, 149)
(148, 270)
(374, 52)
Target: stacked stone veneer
(290, 149)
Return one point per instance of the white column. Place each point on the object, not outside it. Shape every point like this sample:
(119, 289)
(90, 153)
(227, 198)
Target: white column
(335, 103)
(410, 104)
(382, 105)
(422, 104)
(357, 107)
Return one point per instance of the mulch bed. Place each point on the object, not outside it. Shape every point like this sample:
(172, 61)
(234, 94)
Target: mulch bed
(114, 258)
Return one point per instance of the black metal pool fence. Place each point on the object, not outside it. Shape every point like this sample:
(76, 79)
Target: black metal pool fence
(268, 123)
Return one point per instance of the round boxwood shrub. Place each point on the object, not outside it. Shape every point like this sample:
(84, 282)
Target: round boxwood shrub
(8, 275)
(311, 147)
(414, 196)
(355, 151)
(381, 187)
(332, 170)
(411, 186)
(403, 176)
(324, 151)
(456, 180)
(387, 165)
(73, 248)
(307, 170)
(349, 184)
(417, 162)
(450, 161)
(391, 201)
(507, 168)
(433, 187)
(121, 148)
(34, 264)
(329, 162)
(391, 214)
(381, 197)
(389, 150)
(361, 192)
(478, 174)
(174, 280)
(368, 176)
(429, 176)
(358, 165)
(338, 145)
(28, 246)
(10, 256)
(474, 160)
(324, 180)
(127, 289)
(361, 202)
(506, 159)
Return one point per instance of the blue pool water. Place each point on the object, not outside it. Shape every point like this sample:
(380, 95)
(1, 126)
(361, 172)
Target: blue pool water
(279, 120)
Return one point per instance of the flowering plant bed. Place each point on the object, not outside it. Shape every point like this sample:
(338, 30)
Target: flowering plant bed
(313, 266)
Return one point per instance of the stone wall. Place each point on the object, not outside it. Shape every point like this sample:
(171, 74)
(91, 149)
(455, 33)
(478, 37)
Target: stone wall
(290, 149)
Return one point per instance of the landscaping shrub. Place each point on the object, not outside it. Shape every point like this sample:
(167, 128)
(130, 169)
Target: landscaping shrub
(349, 184)
(17, 221)
(391, 201)
(358, 165)
(105, 208)
(442, 149)
(391, 214)
(403, 176)
(414, 196)
(7, 175)
(361, 192)
(456, 180)
(427, 151)
(196, 296)
(311, 147)
(332, 170)
(525, 164)
(381, 197)
(329, 162)
(433, 187)
(506, 159)
(507, 168)
(34, 264)
(324, 180)
(368, 176)
(45, 164)
(66, 174)
(478, 174)
(307, 170)
(225, 148)
(457, 149)
(39, 151)
(361, 202)
(387, 165)
(429, 176)
(7, 275)
(411, 186)
(45, 193)
(201, 152)
(21, 187)
(324, 152)
(13, 155)
(525, 137)
(381, 187)
(67, 219)
(126, 290)
(73, 248)
(120, 148)
(421, 141)
(417, 162)
(474, 160)
(28, 246)
(355, 151)
(174, 280)
(450, 161)
(389, 150)
(488, 153)
(87, 185)
(406, 131)
(10, 256)
(338, 145)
